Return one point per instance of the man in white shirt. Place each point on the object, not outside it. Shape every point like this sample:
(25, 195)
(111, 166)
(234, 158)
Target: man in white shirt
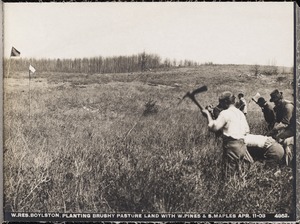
(234, 126)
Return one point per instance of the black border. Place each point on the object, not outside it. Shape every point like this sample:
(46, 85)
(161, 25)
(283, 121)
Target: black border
(269, 217)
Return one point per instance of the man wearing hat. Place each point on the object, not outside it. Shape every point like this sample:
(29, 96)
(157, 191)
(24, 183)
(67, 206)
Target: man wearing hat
(234, 126)
(241, 103)
(268, 112)
(284, 116)
(284, 128)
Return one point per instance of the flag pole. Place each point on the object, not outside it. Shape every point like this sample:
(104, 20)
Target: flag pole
(6, 78)
(29, 93)
(8, 66)
(13, 53)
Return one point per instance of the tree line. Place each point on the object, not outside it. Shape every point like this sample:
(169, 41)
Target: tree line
(116, 64)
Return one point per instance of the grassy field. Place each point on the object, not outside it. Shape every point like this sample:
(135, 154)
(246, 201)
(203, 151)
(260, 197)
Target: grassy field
(120, 143)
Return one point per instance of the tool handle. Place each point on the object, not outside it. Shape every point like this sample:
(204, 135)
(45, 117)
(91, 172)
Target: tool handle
(196, 102)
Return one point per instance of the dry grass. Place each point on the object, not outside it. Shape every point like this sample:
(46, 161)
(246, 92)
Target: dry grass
(120, 143)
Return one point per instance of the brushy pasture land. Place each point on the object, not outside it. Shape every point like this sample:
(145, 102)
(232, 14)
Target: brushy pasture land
(95, 143)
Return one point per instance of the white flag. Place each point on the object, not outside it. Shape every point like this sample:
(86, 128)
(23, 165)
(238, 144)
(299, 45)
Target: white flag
(31, 69)
(256, 97)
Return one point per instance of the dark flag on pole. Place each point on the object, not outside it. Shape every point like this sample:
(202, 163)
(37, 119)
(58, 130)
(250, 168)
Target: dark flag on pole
(14, 52)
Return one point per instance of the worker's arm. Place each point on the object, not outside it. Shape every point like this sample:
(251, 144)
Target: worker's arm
(214, 125)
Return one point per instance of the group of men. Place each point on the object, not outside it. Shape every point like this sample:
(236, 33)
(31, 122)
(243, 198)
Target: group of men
(229, 118)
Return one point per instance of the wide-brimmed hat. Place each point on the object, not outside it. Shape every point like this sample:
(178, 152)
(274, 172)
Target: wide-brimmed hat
(261, 101)
(275, 95)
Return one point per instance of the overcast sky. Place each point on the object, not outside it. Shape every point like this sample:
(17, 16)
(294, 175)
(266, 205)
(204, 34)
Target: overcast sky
(225, 33)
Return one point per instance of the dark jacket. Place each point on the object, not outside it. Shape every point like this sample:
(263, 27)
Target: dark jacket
(269, 115)
(216, 111)
(285, 113)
